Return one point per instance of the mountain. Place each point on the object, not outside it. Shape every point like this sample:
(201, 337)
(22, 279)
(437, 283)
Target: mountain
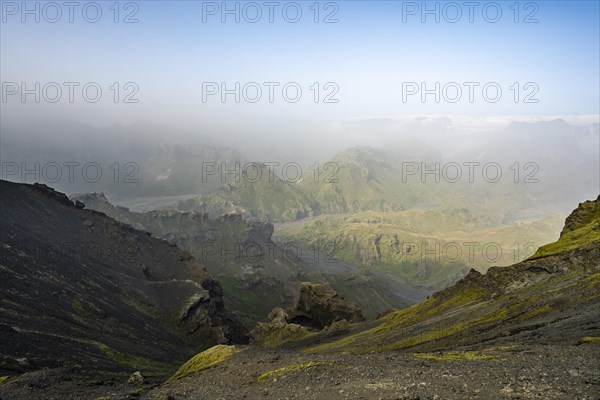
(178, 169)
(528, 331)
(364, 178)
(525, 170)
(258, 194)
(256, 273)
(429, 248)
(81, 289)
(552, 297)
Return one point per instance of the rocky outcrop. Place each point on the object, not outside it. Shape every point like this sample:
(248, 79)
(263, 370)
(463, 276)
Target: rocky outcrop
(319, 306)
(582, 215)
(319, 309)
(278, 331)
(177, 226)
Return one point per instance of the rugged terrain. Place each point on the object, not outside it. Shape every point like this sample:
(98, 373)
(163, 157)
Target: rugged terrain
(256, 273)
(81, 289)
(525, 331)
(520, 372)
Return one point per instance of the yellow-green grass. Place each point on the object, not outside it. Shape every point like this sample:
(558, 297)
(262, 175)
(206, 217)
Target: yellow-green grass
(288, 369)
(454, 356)
(277, 335)
(434, 319)
(537, 312)
(590, 339)
(206, 359)
(129, 360)
(386, 336)
(585, 235)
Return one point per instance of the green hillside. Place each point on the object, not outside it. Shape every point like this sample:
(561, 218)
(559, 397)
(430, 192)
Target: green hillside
(425, 247)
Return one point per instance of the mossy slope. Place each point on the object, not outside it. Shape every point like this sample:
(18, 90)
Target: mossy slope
(206, 359)
(582, 228)
(549, 298)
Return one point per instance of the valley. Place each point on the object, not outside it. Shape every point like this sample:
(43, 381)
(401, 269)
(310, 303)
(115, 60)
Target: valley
(527, 330)
(313, 200)
(368, 284)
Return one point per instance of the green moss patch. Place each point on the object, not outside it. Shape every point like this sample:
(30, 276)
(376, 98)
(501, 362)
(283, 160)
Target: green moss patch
(454, 356)
(586, 233)
(590, 339)
(80, 308)
(206, 359)
(129, 360)
(537, 312)
(273, 335)
(287, 370)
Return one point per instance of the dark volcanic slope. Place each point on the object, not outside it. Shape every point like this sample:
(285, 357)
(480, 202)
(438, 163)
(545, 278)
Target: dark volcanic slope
(78, 287)
(257, 274)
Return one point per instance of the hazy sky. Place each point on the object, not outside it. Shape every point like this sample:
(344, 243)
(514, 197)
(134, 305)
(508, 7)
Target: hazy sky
(371, 57)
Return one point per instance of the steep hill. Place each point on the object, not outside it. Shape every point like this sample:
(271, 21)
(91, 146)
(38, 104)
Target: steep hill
(256, 273)
(260, 194)
(79, 288)
(553, 297)
(364, 178)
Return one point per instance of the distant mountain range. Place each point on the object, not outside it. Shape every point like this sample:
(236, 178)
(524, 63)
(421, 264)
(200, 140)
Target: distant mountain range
(545, 167)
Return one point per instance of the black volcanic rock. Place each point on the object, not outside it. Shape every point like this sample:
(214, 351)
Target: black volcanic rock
(79, 288)
(240, 253)
(257, 274)
(320, 306)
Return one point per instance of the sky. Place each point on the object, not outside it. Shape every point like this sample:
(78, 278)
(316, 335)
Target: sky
(171, 61)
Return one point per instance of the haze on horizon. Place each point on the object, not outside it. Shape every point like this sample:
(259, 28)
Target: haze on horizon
(456, 81)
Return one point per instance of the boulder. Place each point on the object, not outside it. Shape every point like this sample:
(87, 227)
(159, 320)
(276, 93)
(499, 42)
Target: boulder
(319, 306)
(136, 378)
(319, 309)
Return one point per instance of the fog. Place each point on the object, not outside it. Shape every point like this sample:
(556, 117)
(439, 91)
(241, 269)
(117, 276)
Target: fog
(299, 83)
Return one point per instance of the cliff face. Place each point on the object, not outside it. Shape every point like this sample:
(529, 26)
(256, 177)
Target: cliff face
(79, 288)
(586, 213)
(176, 225)
(257, 275)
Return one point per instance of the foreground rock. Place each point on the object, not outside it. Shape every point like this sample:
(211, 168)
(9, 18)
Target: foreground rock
(520, 372)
